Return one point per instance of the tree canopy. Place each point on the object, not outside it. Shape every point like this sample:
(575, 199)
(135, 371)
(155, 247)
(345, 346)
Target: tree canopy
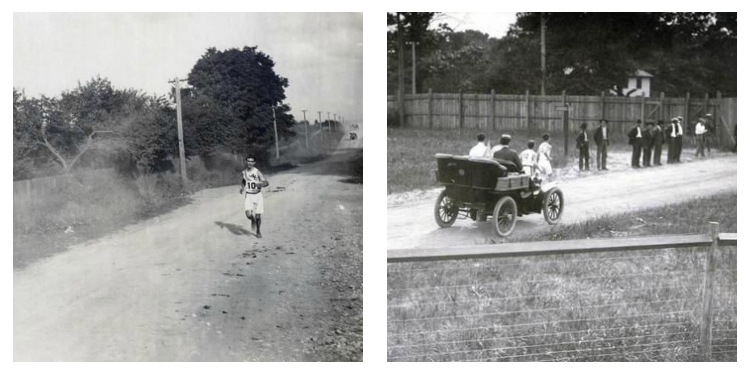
(231, 100)
(586, 53)
(93, 120)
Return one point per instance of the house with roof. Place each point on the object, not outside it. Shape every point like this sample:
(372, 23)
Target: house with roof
(639, 83)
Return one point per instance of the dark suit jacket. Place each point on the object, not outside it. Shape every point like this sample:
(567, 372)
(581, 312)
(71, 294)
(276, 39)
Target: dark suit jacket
(509, 155)
(648, 138)
(599, 136)
(658, 135)
(580, 143)
(632, 135)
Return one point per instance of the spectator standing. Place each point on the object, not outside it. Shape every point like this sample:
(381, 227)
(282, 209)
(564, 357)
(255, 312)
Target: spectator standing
(635, 137)
(710, 135)
(678, 139)
(700, 135)
(648, 143)
(582, 142)
(601, 137)
(658, 139)
(480, 149)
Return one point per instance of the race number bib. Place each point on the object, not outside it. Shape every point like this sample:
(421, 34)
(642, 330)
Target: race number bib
(252, 182)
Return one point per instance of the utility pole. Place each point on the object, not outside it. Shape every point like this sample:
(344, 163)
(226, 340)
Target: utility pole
(178, 101)
(320, 127)
(275, 132)
(544, 53)
(401, 107)
(307, 145)
(329, 121)
(413, 67)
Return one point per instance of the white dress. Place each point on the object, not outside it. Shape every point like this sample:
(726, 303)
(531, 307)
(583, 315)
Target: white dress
(544, 164)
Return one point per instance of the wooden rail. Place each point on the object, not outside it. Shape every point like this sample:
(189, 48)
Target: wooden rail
(561, 247)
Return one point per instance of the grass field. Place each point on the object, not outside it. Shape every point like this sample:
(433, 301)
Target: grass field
(629, 306)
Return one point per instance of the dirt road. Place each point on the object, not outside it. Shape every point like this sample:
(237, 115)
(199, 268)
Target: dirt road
(196, 285)
(411, 223)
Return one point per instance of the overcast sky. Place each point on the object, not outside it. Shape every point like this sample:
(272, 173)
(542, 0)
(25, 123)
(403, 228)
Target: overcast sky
(320, 53)
(494, 24)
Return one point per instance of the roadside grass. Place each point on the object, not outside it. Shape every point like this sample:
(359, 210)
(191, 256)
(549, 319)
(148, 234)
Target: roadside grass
(690, 217)
(91, 204)
(411, 153)
(630, 306)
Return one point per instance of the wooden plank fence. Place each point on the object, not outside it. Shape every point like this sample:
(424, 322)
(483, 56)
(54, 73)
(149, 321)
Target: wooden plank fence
(712, 240)
(491, 111)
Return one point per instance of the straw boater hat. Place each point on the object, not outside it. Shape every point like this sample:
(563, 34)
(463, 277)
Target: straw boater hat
(505, 137)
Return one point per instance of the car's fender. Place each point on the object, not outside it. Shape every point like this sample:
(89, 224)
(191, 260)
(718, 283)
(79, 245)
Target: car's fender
(547, 186)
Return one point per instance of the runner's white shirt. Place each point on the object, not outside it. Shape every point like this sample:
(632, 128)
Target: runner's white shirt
(253, 179)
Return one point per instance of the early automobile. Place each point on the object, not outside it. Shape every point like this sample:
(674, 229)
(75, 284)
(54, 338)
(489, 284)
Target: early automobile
(476, 187)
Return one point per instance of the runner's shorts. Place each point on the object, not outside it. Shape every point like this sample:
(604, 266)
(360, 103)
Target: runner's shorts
(254, 202)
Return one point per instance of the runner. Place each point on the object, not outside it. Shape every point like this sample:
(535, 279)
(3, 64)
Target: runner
(252, 181)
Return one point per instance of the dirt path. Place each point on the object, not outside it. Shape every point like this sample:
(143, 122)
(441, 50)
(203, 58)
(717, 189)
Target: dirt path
(195, 285)
(411, 223)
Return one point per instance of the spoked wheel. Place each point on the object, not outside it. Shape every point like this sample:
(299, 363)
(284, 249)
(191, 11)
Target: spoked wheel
(446, 211)
(553, 206)
(504, 216)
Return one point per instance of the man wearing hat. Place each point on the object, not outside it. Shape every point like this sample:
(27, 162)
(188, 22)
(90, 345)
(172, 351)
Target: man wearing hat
(708, 137)
(700, 135)
(657, 135)
(582, 142)
(678, 140)
(669, 136)
(635, 137)
(503, 151)
(648, 143)
(601, 137)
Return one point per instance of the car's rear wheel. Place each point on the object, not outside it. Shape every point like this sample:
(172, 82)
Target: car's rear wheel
(504, 216)
(553, 205)
(446, 211)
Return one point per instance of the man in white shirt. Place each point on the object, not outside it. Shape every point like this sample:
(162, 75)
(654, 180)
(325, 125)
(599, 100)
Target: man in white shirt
(636, 140)
(700, 135)
(480, 149)
(528, 159)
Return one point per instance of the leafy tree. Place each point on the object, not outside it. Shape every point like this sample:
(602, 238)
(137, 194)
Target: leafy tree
(91, 124)
(239, 87)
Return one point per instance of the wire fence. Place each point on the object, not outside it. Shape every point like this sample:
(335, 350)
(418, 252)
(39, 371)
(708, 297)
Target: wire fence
(641, 305)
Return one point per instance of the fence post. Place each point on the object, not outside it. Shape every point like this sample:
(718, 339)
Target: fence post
(565, 126)
(528, 114)
(716, 118)
(705, 106)
(603, 105)
(492, 107)
(401, 108)
(708, 288)
(687, 107)
(661, 106)
(429, 108)
(460, 108)
(643, 107)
